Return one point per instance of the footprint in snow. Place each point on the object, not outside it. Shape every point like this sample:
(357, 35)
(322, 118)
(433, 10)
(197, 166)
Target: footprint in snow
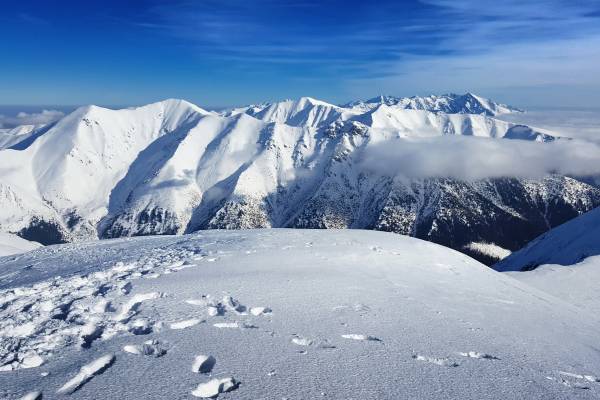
(482, 356)
(151, 348)
(214, 387)
(443, 362)
(86, 373)
(35, 395)
(357, 336)
(302, 341)
(140, 326)
(226, 325)
(203, 301)
(186, 323)
(589, 378)
(256, 311)
(570, 383)
(234, 305)
(89, 333)
(131, 308)
(203, 364)
(126, 288)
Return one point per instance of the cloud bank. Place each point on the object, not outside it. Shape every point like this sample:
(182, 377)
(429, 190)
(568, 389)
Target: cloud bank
(23, 118)
(471, 159)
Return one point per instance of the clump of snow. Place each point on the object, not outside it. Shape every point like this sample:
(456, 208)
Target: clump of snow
(214, 387)
(86, 373)
(488, 249)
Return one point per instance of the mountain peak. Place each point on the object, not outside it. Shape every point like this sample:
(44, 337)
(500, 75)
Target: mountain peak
(451, 103)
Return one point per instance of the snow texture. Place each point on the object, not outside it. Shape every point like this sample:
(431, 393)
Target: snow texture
(411, 318)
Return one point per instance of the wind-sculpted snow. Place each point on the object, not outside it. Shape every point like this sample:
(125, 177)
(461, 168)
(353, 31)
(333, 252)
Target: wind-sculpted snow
(171, 168)
(283, 314)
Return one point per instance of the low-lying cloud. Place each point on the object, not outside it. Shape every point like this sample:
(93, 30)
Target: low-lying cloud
(23, 118)
(471, 158)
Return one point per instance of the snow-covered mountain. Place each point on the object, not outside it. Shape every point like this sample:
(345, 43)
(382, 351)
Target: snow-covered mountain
(12, 137)
(449, 103)
(272, 314)
(566, 244)
(172, 167)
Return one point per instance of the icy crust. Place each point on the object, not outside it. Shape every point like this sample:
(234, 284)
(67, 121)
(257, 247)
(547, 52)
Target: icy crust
(284, 314)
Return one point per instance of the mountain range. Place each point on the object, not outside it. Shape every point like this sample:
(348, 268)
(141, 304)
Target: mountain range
(172, 167)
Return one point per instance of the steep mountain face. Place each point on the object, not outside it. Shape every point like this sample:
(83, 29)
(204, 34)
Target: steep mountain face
(171, 167)
(566, 244)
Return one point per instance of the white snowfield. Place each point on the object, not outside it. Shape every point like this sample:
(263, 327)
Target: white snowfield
(13, 244)
(274, 314)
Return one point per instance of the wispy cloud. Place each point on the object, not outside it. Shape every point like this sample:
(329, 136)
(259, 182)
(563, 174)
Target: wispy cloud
(435, 44)
(503, 47)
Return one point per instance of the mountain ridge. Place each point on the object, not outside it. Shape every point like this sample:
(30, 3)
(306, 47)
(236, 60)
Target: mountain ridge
(171, 167)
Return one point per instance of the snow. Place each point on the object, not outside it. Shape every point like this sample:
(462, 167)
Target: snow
(576, 284)
(86, 373)
(489, 249)
(566, 244)
(13, 244)
(14, 136)
(353, 314)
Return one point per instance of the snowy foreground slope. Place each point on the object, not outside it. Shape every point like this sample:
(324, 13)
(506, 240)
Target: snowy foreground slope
(273, 314)
(13, 244)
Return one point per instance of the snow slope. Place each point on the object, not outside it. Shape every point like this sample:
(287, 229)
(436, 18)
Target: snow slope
(284, 314)
(13, 244)
(565, 261)
(576, 283)
(566, 244)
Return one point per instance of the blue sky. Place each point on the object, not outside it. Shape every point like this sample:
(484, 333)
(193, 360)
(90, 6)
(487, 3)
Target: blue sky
(228, 52)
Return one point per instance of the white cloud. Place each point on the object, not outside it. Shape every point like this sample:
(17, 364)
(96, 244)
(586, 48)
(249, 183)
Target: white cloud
(582, 124)
(23, 118)
(471, 158)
